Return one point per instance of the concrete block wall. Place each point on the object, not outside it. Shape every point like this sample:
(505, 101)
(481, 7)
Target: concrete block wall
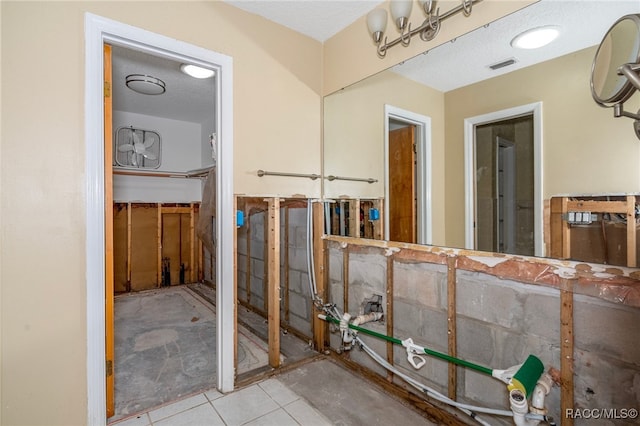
(500, 321)
(300, 305)
(294, 274)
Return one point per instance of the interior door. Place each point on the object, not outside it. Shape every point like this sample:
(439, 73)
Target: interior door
(108, 229)
(402, 188)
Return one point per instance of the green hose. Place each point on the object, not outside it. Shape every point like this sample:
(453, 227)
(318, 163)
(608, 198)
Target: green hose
(436, 354)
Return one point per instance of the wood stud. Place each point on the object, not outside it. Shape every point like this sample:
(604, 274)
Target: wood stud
(566, 350)
(451, 325)
(320, 327)
(389, 312)
(273, 281)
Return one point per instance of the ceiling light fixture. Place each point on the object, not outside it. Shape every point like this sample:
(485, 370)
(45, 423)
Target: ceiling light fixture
(401, 12)
(536, 37)
(145, 84)
(196, 71)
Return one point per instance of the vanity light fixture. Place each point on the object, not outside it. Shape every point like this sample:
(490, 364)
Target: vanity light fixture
(145, 84)
(196, 71)
(401, 12)
(536, 37)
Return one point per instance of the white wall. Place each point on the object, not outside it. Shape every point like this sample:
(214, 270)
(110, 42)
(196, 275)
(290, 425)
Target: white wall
(182, 150)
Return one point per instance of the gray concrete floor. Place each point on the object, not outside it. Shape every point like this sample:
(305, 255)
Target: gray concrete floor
(165, 345)
(165, 372)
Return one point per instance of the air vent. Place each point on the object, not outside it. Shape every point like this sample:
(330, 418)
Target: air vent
(503, 64)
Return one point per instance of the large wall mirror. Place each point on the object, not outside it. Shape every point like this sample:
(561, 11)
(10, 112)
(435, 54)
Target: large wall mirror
(488, 122)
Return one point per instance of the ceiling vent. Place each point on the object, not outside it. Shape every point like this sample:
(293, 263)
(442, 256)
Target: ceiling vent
(503, 64)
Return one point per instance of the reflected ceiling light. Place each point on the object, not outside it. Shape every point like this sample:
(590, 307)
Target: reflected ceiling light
(196, 71)
(536, 37)
(145, 84)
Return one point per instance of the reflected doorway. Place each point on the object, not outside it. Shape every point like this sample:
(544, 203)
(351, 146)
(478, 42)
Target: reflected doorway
(504, 183)
(407, 163)
(521, 125)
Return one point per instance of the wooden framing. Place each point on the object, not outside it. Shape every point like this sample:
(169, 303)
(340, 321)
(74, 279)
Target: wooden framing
(320, 327)
(389, 313)
(345, 279)
(128, 286)
(458, 259)
(144, 235)
(273, 281)
(285, 246)
(373, 229)
(354, 218)
(566, 350)
(560, 238)
(451, 325)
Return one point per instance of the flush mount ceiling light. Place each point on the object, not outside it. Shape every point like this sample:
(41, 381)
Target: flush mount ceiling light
(145, 84)
(196, 71)
(536, 37)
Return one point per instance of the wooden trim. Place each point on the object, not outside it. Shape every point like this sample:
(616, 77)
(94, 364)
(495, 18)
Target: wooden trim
(566, 350)
(389, 314)
(451, 325)
(273, 281)
(108, 229)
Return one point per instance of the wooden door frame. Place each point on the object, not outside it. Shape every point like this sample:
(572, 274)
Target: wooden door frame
(470, 124)
(98, 31)
(423, 169)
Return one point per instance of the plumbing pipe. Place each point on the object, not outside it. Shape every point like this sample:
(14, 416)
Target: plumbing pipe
(542, 389)
(436, 354)
(520, 408)
(347, 337)
(363, 319)
(470, 410)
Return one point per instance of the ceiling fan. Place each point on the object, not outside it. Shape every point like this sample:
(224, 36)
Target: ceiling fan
(137, 148)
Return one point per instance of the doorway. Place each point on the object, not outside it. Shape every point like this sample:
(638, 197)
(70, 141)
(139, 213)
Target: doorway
(99, 31)
(503, 182)
(407, 168)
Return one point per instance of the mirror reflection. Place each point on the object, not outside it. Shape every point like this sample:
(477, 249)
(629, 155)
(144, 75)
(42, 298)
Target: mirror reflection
(505, 131)
(619, 46)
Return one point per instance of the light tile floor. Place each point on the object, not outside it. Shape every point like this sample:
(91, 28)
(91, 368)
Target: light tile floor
(265, 403)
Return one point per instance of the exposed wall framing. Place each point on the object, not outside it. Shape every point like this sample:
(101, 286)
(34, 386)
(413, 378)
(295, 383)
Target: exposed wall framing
(351, 217)
(155, 245)
(271, 270)
(435, 294)
(611, 239)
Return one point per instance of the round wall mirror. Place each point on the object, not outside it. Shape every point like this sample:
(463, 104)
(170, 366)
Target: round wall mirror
(621, 45)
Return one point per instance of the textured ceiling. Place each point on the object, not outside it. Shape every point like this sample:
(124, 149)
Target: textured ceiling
(454, 64)
(465, 61)
(318, 19)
